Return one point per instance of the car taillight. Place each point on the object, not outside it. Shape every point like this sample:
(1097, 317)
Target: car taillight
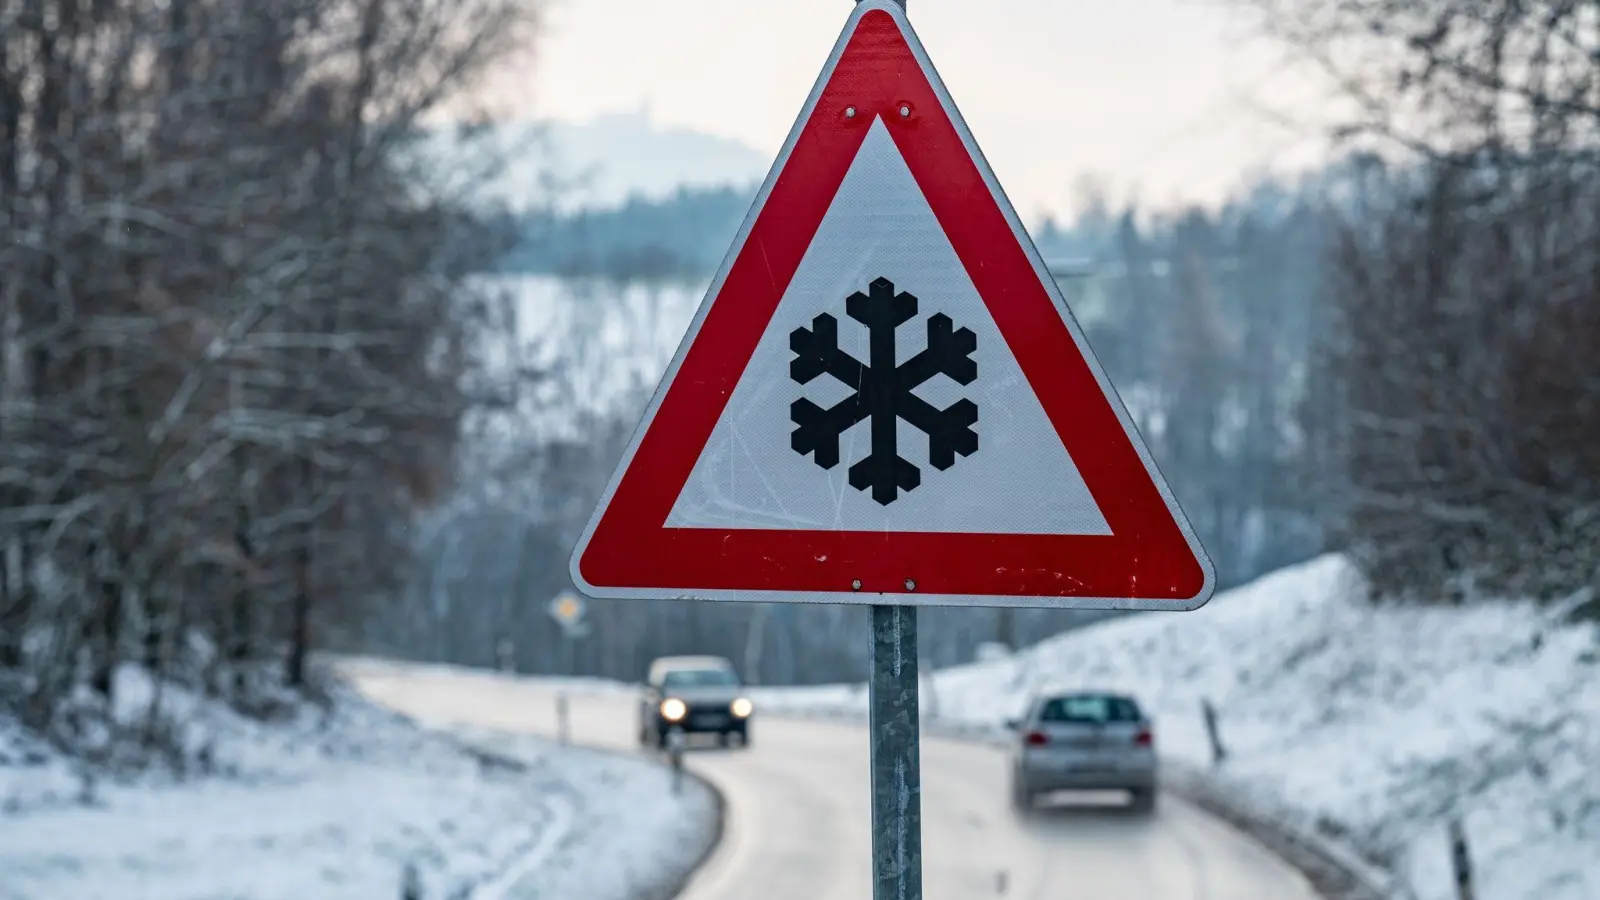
(1144, 738)
(1036, 739)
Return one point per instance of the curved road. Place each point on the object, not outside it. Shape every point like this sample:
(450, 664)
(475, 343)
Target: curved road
(798, 810)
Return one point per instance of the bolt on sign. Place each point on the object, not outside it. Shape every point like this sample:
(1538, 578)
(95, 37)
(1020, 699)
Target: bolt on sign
(883, 396)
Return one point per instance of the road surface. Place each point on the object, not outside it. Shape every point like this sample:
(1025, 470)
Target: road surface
(798, 810)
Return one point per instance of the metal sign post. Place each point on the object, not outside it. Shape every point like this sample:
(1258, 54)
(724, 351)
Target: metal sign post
(895, 733)
(896, 759)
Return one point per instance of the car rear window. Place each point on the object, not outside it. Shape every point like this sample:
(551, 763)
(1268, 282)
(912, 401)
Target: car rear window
(698, 678)
(1095, 709)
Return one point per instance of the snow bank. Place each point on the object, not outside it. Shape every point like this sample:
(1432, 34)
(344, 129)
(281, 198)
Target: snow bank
(346, 801)
(1379, 722)
(637, 839)
(447, 674)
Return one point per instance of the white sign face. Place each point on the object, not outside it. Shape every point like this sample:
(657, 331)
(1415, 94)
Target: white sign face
(883, 397)
(1019, 480)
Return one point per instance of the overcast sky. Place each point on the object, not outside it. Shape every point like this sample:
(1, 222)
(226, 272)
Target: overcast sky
(1159, 98)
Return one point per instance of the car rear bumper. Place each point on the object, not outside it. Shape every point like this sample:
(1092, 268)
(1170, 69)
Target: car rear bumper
(1038, 772)
(1038, 782)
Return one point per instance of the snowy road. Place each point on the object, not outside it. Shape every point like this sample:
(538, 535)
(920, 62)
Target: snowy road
(797, 826)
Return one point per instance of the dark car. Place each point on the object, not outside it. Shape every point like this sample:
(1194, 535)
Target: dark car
(697, 694)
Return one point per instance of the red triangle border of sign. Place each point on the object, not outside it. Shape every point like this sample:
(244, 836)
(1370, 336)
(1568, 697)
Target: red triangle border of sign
(629, 551)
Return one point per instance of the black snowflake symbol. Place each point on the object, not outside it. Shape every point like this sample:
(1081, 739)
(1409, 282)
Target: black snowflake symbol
(883, 391)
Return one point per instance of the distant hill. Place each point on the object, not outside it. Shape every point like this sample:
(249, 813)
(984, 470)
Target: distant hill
(622, 195)
(602, 162)
(629, 155)
(685, 235)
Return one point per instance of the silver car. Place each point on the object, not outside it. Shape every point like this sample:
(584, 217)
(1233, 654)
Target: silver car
(1083, 741)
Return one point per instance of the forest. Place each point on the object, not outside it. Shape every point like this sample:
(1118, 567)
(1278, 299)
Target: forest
(266, 388)
(236, 334)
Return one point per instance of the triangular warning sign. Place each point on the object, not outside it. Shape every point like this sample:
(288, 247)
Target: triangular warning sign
(883, 397)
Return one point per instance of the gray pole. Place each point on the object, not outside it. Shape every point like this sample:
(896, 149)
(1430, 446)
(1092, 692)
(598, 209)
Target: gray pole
(896, 767)
(894, 727)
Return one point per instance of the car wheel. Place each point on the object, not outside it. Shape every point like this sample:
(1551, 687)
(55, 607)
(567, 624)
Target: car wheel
(744, 738)
(1144, 801)
(725, 738)
(1021, 797)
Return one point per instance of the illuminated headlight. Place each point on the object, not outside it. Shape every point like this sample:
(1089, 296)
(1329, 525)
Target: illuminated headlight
(741, 707)
(672, 709)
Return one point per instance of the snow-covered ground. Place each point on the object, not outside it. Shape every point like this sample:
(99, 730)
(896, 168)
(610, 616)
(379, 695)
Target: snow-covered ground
(627, 845)
(1375, 722)
(337, 802)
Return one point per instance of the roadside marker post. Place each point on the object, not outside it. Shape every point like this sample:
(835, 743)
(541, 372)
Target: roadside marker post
(884, 400)
(568, 610)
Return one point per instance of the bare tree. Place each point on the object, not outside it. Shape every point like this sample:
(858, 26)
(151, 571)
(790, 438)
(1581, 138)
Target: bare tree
(1455, 391)
(235, 321)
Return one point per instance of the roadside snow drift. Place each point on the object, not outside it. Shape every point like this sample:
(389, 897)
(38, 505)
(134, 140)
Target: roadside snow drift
(631, 842)
(1377, 722)
(346, 801)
